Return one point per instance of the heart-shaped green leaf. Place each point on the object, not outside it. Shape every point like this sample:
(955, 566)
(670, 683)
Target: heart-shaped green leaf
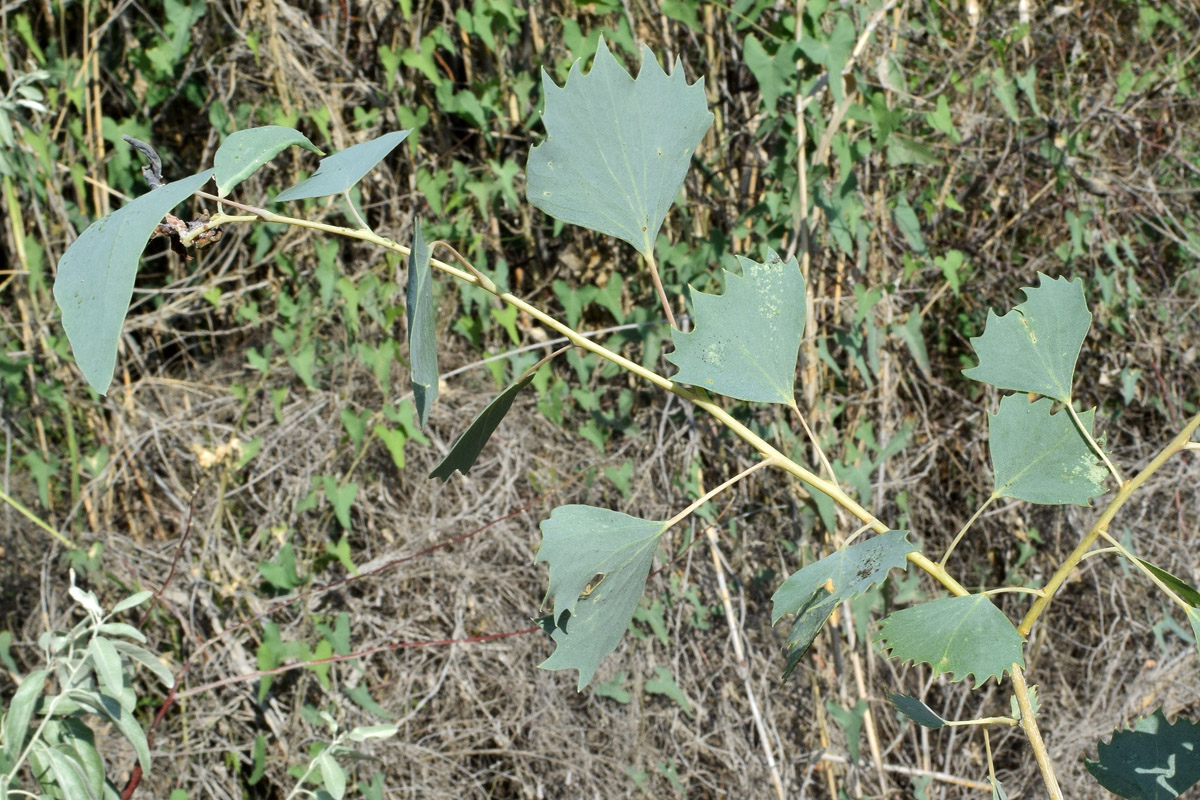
(340, 171)
(616, 149)
(1155, 760)
(95, 276)
(243, 152)
(959, 635)
(1042, 457)
(849, 571)
(747, 341)
(421, 313)
(1033, 348)
(582, 544)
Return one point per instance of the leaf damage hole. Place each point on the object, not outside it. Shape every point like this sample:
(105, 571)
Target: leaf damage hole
(592, 585)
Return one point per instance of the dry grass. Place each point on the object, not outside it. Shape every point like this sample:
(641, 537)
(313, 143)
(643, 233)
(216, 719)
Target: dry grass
(477, 719)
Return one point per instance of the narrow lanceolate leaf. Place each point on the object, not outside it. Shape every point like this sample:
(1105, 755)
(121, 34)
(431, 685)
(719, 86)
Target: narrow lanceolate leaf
(20, 712)
(1042, 457)
(470, 444)
(1155, 760)
(616, 149)
(606, 555)
(107, 663)
(243, 152)
(1033, 348)
(747, 340)
(917, 711)
(340, 171)
(1187, 593)
(68, 774)
(95, 276)
(422, 327)
(813, 592)
(957, 635)
(129, 728)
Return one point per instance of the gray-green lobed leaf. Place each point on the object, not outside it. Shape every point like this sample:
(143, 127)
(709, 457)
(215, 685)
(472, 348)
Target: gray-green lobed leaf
(957, 635)
(850, 571)
(1042, 457)
(580, 543)
(243, 152)
(340, 171)
(617, 149)
(470, 444)
(95, 277)
(747, 341)
(422, 327)
(1034, 347)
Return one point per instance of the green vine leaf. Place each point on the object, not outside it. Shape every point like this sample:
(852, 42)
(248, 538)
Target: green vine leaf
(957, 635)
(1034, 347)
(243, 152)
(849, 571)
(747, 341)
(95, 276)
(1154, 760)
(583, 545)
(617, 149)
(470, 444)
(421, 313)
(340, 171)
(917, 711)
(1041, 457)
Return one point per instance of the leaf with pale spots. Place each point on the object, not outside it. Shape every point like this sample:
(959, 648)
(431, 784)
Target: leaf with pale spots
(812, 593)
(747, 341)
(1034, 347)
(1042, 457)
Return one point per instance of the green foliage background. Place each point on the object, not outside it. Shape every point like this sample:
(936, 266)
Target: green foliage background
(967, 158)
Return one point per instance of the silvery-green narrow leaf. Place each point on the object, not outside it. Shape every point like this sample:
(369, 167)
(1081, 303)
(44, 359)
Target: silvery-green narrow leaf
(421, 313)
(68, 773)
(243, 152)
(333, 775)
(362, 733)
(95, 277)
(107, 663)
(617, 148)
(340, 171)
(147, 660)
(78, 738)
(133, 601)
(111, 708)
(20, 712)
(122, 629)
